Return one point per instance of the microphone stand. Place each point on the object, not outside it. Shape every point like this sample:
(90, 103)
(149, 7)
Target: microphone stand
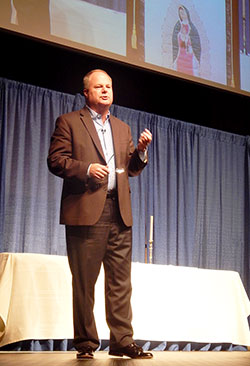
(151, 240)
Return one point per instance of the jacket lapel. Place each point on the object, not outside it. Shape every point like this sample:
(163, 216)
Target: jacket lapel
(116, 135)
(87, 121)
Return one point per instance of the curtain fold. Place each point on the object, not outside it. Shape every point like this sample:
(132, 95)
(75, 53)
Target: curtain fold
(67, 345)
(196, 184)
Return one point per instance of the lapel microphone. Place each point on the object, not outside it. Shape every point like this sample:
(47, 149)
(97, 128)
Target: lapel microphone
(104, 130)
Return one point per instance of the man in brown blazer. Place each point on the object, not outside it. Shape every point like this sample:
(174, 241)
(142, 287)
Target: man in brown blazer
(94, 153)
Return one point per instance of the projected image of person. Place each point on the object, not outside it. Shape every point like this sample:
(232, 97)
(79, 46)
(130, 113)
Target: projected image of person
(186, 44)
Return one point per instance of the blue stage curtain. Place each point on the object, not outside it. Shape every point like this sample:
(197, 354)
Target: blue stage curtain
(196, 184)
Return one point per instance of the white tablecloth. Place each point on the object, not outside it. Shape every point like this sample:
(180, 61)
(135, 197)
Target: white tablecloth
(169, 303)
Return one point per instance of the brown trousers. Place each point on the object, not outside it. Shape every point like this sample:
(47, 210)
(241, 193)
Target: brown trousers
(107, 242)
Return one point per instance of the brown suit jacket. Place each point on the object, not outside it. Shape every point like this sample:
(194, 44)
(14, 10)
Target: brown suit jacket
(74, 146)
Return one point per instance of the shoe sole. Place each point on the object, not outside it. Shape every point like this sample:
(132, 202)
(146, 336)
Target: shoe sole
(117, 354)
(85, 357)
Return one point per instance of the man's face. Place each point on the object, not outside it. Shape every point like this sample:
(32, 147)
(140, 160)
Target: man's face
(99, 94)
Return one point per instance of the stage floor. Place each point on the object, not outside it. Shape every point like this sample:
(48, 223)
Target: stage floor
(163, 358)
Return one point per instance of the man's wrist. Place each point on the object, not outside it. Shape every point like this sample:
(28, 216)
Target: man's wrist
(143, 155)
(88, 174)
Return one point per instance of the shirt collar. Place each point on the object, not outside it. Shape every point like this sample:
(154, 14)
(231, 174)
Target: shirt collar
(96, 117)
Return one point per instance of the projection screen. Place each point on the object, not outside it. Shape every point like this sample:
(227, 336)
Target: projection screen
(206, 41)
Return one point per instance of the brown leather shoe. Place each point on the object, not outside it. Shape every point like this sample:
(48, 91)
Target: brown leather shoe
(85, 354)
(132, 351)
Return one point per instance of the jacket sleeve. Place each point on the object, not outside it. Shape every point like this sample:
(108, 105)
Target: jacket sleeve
(60, 158)
(136, 165)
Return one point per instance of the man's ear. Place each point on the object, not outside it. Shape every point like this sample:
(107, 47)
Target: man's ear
(85, 93)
